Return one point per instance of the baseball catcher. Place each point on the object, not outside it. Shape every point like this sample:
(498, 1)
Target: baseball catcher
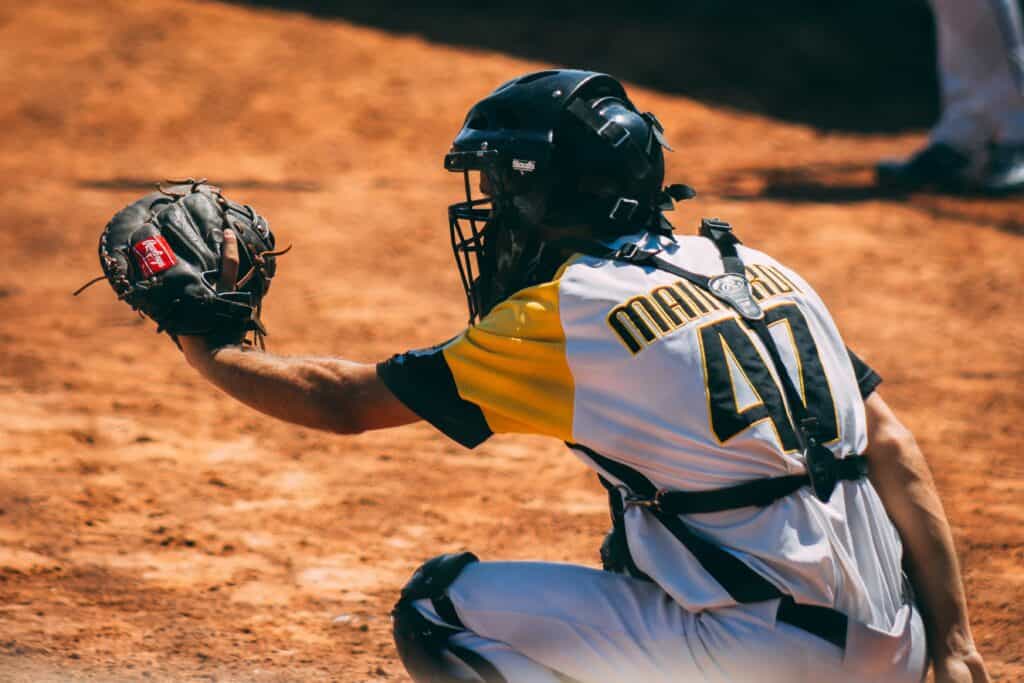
(765, 501)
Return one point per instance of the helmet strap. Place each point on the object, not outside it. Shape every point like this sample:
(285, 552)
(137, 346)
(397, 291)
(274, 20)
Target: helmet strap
(635, 154)
(619, 215)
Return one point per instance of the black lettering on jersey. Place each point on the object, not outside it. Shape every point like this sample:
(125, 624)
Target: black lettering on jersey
(644, 319)
(725, 340)
(705, 302)
(675, 308)
(647, 309)
(633, 328)
(687, 301)
(814, 387)
(784, 284)
(728, 340)
(760, 284)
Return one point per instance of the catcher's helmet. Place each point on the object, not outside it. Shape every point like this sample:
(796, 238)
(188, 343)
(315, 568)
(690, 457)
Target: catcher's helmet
(558, 151)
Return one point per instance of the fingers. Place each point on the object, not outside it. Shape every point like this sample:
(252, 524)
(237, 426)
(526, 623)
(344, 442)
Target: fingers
(228, 263)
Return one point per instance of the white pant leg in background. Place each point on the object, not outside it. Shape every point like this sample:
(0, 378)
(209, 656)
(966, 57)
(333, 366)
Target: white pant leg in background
(530, 618)
(979, 52)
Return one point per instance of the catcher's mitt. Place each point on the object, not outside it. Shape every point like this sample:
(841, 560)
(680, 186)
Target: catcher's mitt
(162, 254)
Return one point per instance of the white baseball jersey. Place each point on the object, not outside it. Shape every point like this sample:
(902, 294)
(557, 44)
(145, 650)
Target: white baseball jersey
(650, 370)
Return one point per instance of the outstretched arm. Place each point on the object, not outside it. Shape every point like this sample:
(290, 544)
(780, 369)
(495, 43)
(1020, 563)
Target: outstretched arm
(324, 393)
(901, 476)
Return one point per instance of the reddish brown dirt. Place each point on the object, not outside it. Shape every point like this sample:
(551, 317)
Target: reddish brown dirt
(150, 529)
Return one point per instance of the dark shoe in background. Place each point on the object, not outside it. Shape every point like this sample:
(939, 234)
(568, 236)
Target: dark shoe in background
(937, 166)
(1005, 171)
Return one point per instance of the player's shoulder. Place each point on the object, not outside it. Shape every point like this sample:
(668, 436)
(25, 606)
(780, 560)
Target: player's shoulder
(584, 281)
(692, 252)
(533, 312)
(752, 254)
(758, 261)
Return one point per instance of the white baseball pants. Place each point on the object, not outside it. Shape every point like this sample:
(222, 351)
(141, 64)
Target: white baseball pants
(529, 620)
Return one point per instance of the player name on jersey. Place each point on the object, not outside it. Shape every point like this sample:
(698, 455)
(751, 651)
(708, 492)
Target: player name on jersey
(643, 319)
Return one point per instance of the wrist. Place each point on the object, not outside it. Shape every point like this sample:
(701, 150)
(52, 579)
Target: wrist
(197, 350)
(960, 667)
(956, 645)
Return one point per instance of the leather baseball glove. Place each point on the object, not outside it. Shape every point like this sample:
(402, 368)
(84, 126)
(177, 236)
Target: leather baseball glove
(162, 255)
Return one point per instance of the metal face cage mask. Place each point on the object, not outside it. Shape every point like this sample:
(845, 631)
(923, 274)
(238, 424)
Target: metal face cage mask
(468, 244)
(495, 249)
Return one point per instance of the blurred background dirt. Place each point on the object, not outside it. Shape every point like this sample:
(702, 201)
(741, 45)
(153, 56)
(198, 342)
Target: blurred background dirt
(152, 530)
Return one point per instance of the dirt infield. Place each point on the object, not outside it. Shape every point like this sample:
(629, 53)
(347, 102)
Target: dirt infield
(150, 529)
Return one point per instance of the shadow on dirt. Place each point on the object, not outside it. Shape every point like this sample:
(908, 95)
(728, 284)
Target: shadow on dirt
(812, 183)
(852, 183)
(978, 211)
(866, 66)
(133, 183)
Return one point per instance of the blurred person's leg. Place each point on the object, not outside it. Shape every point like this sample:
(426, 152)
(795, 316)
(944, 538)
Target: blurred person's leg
(970, 52)
(1005, 169)
(981, 128)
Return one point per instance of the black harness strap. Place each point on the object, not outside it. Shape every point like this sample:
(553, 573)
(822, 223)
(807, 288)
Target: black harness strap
(823, 622)
(739, 580)
(824, 470)
(618, 555)
(721, 234)
(759, 492)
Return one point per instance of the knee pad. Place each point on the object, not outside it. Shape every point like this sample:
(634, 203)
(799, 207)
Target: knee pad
(422, 644)
(435, 575)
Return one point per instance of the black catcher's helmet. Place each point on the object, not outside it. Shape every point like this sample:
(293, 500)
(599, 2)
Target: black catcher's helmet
(557, 151)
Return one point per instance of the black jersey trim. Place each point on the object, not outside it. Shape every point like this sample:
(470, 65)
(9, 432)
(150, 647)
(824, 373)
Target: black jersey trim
(867, 379)
(423, 381)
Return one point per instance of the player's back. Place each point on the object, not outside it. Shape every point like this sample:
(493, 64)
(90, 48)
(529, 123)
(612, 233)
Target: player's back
(670, 381)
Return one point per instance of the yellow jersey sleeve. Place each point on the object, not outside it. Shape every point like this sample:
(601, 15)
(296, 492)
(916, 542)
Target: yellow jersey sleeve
(512, 365)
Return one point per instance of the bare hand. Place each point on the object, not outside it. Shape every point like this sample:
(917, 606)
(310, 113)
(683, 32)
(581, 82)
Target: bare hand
(961, 669)
(196, 349)
(228, 263)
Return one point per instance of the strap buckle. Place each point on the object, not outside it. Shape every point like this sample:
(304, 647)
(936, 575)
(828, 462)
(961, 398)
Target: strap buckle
(630, 499)
(716, 229)
(632, 253)
(822, 470)
(716, 223)
(809, 425)
(623, 204)
(628, 251)
(615, 134)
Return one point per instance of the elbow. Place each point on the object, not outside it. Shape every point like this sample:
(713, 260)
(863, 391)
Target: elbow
(344, 423)
(887, 436)
(339, 409)
(894, 437)
(893, 455)
(335, 398)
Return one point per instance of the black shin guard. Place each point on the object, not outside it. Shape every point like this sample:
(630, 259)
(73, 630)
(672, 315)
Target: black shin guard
(422, 644)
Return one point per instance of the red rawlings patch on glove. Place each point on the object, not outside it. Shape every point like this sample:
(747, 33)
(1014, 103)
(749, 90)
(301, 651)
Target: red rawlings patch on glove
(154, 255)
